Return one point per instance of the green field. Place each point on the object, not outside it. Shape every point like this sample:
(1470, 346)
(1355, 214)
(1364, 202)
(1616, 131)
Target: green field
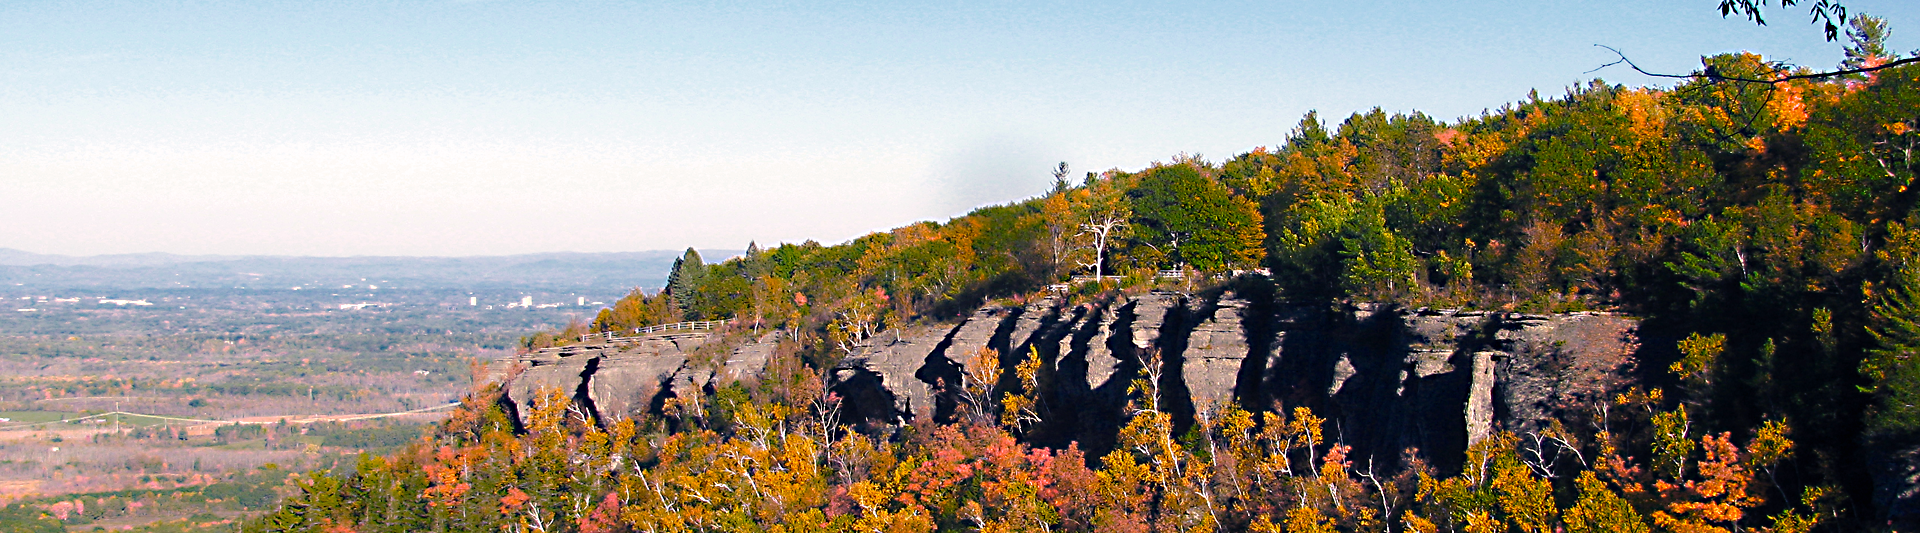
(18, 419)
(29, 417)
(146, 421)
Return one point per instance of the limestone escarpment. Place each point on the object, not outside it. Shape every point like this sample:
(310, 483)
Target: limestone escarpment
(1388, 379)
(1437, 380)
(883, 381)
(615, 381)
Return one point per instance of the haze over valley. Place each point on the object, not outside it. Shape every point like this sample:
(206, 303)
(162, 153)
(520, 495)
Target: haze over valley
(997, 266)
(171, 374)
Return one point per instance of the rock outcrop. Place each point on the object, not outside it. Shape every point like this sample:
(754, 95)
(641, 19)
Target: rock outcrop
(1216, 351)
(622, 385)
(746, 361)
(890, 378)
(618, 380)
(560, 368)
(1557, 363)
(1438, 380)
(1388, 379)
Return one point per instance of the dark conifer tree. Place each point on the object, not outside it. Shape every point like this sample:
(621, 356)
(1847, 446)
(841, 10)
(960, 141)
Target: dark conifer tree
(681, 283)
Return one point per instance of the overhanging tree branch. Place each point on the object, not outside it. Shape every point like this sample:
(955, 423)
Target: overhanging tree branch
(1712, 74)
(1827, 13)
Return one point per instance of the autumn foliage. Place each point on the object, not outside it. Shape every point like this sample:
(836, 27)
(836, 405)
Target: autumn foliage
(779, 462)
(1764, 231)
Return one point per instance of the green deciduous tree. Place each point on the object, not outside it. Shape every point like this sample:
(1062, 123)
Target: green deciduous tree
(1187, 218)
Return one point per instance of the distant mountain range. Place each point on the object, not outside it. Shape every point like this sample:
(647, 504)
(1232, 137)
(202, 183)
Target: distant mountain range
(547, 271)
(12, 257)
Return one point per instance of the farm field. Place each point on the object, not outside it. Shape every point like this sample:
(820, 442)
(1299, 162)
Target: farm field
(197, 411)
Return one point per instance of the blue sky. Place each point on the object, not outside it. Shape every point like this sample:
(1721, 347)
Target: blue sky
(469, 128)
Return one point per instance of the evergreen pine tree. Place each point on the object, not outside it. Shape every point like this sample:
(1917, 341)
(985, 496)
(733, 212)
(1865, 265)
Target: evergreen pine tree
(1892, 366)
(685, 278)
(1867, 36)
(1060, 184)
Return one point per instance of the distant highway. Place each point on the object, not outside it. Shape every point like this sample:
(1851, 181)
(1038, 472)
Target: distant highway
(198, 422)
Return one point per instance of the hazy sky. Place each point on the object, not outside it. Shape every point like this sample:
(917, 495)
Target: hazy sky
(469, 128)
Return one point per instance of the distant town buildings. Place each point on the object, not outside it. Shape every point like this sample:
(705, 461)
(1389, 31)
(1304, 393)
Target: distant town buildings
(124, 303)
(43, 303)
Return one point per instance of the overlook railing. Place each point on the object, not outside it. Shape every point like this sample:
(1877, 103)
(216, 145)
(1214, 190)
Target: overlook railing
(661, 330)
(1093, 279)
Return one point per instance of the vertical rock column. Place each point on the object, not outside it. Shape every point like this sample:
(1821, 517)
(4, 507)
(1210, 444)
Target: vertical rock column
(1216, 349)
(1101, 361)
(1026, 329)
(1479, 409)
(1150, 313)
(976, 334)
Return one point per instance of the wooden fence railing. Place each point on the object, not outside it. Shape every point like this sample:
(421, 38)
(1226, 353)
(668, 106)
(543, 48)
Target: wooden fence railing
(658, 330)
(1094, 279)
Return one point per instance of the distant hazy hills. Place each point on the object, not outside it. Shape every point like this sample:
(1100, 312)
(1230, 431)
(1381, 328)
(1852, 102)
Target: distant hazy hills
(549, 271)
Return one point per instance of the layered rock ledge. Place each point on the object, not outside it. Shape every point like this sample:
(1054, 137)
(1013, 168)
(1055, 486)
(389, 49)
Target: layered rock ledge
(1389, 379)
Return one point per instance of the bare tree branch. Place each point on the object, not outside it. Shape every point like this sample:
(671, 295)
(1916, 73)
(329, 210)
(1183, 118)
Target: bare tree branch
(1713, 74)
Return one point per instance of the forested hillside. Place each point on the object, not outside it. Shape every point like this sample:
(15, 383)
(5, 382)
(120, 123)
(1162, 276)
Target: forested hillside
(1764, 233)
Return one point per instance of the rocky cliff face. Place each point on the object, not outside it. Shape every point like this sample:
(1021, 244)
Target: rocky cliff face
(615, 381)
(1388, 379)
(885, 381)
